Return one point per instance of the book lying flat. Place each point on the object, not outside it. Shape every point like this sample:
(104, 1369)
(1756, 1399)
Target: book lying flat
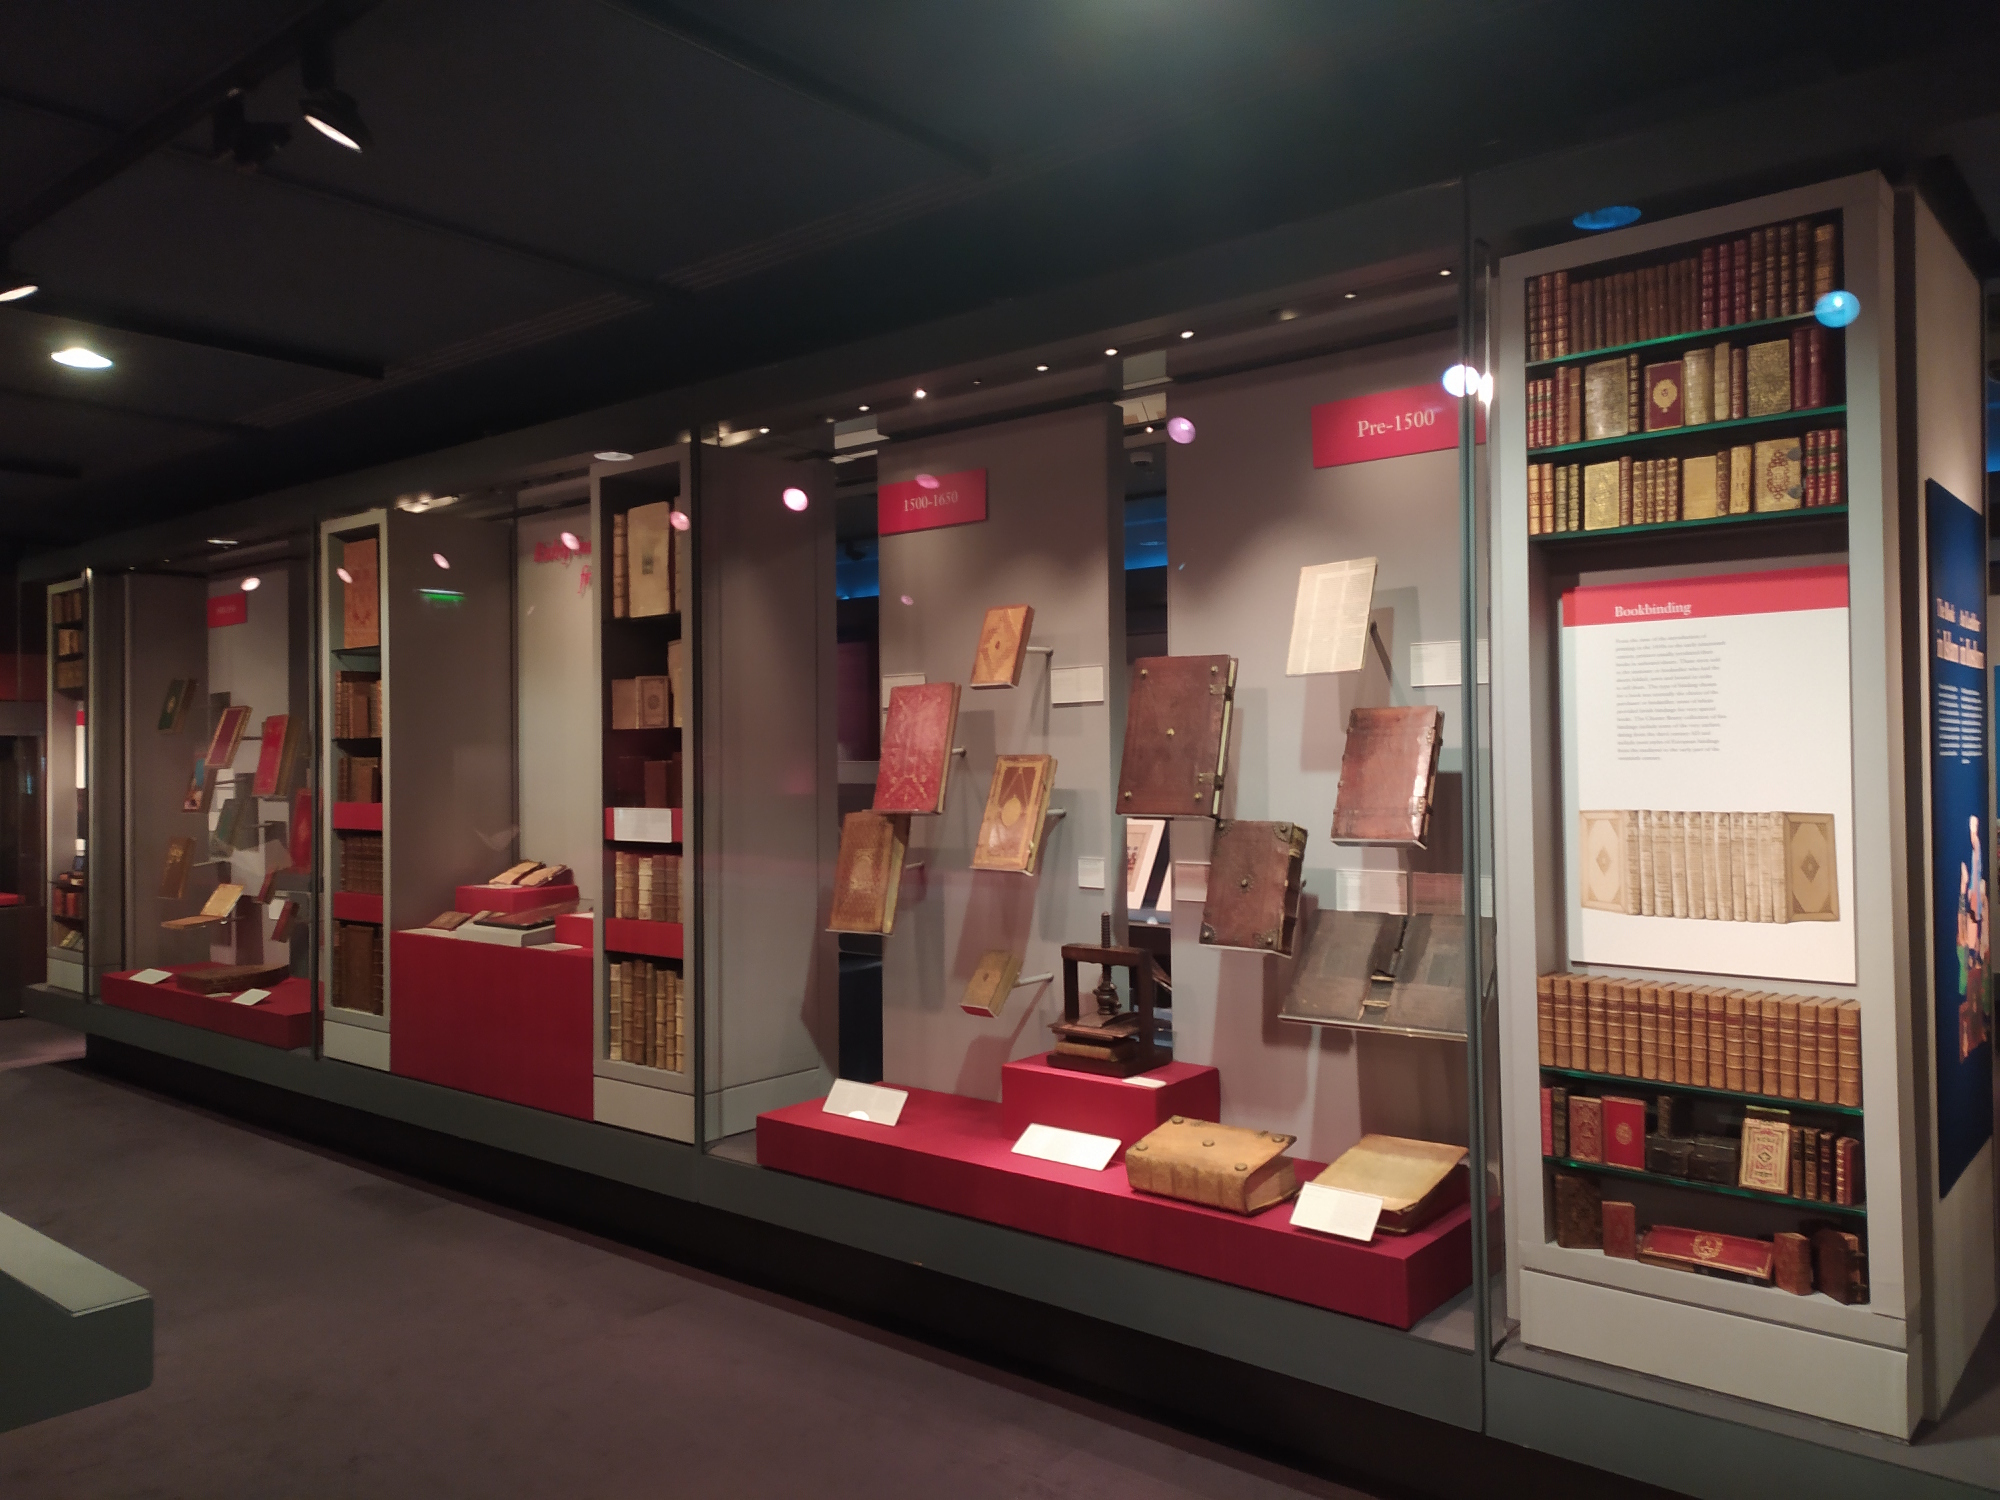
(1416, 1180)
(217, 908)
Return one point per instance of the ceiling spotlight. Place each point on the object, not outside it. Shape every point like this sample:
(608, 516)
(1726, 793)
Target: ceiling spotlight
(1285, 314)
(248, 143)
(1445, 272)
(763, 429)
(79, 358)
(795, 499)
(222, 541)
(440, 559)
(1041, 369)
(679, 518)
(612, 456)
(333, 114)
(1616, 217)
(864, 406)
(1349, 296)
(14, 286)
(1149, 427)
(921, 394)
(249, 585)
(1110, 353)
(568, 539)
(343, 575)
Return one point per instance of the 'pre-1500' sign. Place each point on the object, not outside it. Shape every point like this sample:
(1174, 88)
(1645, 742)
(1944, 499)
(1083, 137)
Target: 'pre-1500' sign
(1388, 424)
(931, 500)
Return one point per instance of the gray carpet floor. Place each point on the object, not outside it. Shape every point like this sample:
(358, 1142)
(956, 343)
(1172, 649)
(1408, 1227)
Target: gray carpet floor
(326, 1329)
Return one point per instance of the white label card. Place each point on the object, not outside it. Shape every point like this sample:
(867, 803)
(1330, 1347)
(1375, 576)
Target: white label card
(1332, 1210)
(1072, 686)
(1090, 872)
(643, 825)
(865, 1101)
(250, 997)
(1143, 1082)
(1073, 1148)
(150, 976)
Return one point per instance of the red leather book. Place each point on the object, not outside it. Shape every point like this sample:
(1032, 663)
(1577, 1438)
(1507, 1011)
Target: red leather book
(1802, 236)
(1739, 280)
(1621, 1230)
(1771, 305)
(1705, 1250)
(270, 755)
(1660, 390)
(1708, 286)
(1827, 1186)
(1755, 277)
(1834, 486)
(1586, 1128)
(916, 748)
(1725, 272)
(1573, 379)
(1624, 1132)
(1533, 290)
(1560, 312)
(1739, 383)
(1548, 1123)
(1815, 365)
(1787, 298)
(1801, 353)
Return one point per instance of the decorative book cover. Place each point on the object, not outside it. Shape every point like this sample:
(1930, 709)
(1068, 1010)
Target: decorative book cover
(1003, 646)
(654, 712)
(1218, 1166)
(228, 738)
(1416, 1180)
(360, 598)
(1769, 389)
(174, 878)
(1604, 400)
(1766, 1162)
(1701, 498)
(1811, 892)
(624, 703)
(1777, 478)
(1388, 775)
(991, 983)
(1601, 490)
(1342, 955)
(1704, 1250)
(1017, 806)
(1579, 1213)
(1176, 736)
(221, 902)
(869, 869)
(195, 798)
(271, 747)
(1586, 1128)
(649, 560)
(1253, 886)
(1608, 860)
(1621, 1230)
(1624, 1121)
(173, 712)
(1663, 395)
(916, 748)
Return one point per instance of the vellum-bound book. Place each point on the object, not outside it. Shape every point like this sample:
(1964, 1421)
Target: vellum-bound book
(1176, 736)
(1017, 806)
(1217, 1166)
(916, 748)
(1388, 774)
(217, 908)
(1253, 886)
(868, 871)
(1003, 644)
(1416, 1180)
(991, 983)
(649, 560)
(1330, 617)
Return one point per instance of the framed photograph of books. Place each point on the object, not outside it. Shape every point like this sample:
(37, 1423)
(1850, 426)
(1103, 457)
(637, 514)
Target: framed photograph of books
(1708, 774)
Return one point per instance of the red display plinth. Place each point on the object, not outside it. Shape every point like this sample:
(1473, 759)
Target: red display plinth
(509, 1023)
(643, 825)
(357, 817)
(284, 1020)
(955, 1155)
(1034, 1093)
(577, 927)
(357, 906)
(512, 897)
(657, 939)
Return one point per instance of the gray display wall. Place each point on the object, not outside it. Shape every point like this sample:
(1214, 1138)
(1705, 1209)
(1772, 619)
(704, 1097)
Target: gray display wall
(1246, 510)
(1054, 538)
(167, 628)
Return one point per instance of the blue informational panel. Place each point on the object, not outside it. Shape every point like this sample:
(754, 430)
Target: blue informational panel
(1962, 999)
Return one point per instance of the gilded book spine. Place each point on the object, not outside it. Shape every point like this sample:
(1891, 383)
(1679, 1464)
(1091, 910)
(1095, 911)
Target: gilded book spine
(618, 601)
(1560, 312)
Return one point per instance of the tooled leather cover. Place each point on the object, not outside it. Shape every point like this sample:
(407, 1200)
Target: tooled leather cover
(1217, 1166)
(1706, 1250)
(1621, 1230)
(1840, 1263)
(1662, 388)
(1579, 1213)
(1176, 734)
(1253, 886)
(360, 601)
(1341, 952)
(1812, 894)
(1388, 775)
(1624, 1132)
(228, 979)
(1586, 1128)
(1791, 1263)
(1017, 806)
(1003, 642)
(1429, 989)
(916, 748)
(867, 872)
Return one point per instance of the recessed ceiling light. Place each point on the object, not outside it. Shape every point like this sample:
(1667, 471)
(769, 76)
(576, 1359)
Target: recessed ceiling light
(79, 358)
(612, 456)
(1041, 369)
(333, 114)
(1445, 272)
(921, 393)
(14, 286)
(222, 541)
(1285, 314)
(1110, 352)
(763, 429)
(1187, 333)
(979, 382)
(864, 406)
(249, 585)
(1349, 297)
(1615, 217)
(440, 559)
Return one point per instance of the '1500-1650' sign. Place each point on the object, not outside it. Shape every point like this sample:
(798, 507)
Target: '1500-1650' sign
(1388, 424)
(913, 505)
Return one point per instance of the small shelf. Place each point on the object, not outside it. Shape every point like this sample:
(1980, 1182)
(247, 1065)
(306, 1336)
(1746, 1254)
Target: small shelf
(644, 939)
(357, 906)
(643, 825)
(357, 817)
(1661, 1085)
(1706, 523)
(1722, 1189)
(1695, 336)
(1798, 414)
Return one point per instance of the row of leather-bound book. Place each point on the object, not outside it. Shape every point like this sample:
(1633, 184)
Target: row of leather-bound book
(645, 1020)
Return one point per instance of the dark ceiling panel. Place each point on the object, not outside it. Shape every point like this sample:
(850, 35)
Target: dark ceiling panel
(35, 149)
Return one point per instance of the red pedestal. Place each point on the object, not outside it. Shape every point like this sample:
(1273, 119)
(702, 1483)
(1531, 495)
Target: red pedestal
(357, 906)
(955, 1155)
(656, 939)
(509, 1023)
(284, 1020)
(357, 817)
(1034, 1093)
(512, 897)
(577, 927)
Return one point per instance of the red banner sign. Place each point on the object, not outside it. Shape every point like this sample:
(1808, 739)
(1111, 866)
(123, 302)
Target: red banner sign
(1388, 424)
(232, 608)
(912, 506)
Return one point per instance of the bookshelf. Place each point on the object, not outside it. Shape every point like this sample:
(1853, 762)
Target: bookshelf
(68, 902)
(355, 769)
(1670, 341)
(1774, 421)
(1720, 1189)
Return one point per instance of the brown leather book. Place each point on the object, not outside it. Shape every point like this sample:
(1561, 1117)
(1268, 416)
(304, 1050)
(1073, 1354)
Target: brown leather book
(1416, 1180)
(868, 871)
(1342, 956)
(619, 603)
(1759, 262)
(1003, 646)
(228, 737)
(1787, 297)
(281, 926)
(1826, 255)
(916, 749)
(1176, 736)
(1253, 886)
(992, 982)
(1561, 300)
(1800, 363)
(1777, 475)
(1388, 776)
(513, 873)
(1840, 1265)
(1704, 1250)
(546, 875)
(654, 701)
(1847, 1027)
(229, 979)
(1217, 1166)
(624, 703)
(174, 878)
(1017, 806)
(1428, 991)
(649, 566)
(1579, 1212)
(449, 921)
(1621, 1230)
(1791, 1263)
(522, 921)
(360, 600)
(217, 909)
(1545, 1025)
(1586, 1127)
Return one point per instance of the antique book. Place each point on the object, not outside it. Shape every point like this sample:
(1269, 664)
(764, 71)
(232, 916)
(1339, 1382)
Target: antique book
(450, 921)
(1847, 1045)
(1847, 1171)
(1778, 481)
(228, 737)
(649, 560)
(1621, 1230)
(513, 873)
(1017, 807)
(654, 710)
(1428, 992)
(1548, 1121)
(1003, 646)
(1605, 845)
(1698, 387)
(1176, 736)
(522, 921)
(281, 925)
(1602, 484)
(1706, 1251)
(1604, 400)
(228, 979)
(173, 712)
(216, 909)
(1388, 776)
(677, 680)
(1769, 366)
(1767, 1156)
(1586, 1128)
(1811, 892)
(1662, 386)
(618, 600)
(173, 879)
(660, 782)
(1714, 1158)
(1545, 1030)
(1701, 500)
(869, 869)
(1579, 1212)
(1330, 617)
(1416, 1180)
(546, 875)
(1624, 1127)
(1791, 1263)
(1253, 886)
(360, 597)
(1668, 1154)
(991, 983)
(624, 703)
(916, 749)
(271, 755)
(1559, 1120)
(1343, 955)
(1840, 1265)
(1217, 1166)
